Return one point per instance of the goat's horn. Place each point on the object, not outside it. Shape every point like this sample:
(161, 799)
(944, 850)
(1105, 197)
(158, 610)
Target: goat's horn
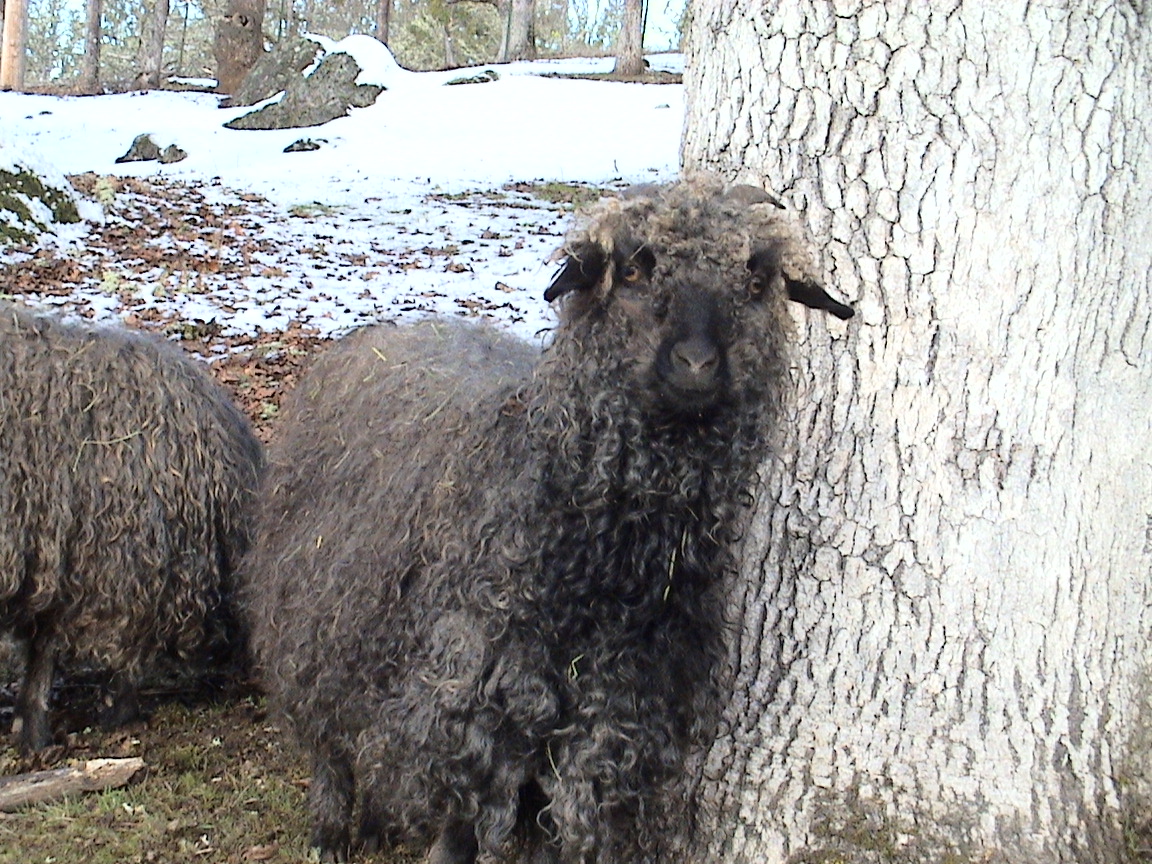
(746, 195)
(640, 190)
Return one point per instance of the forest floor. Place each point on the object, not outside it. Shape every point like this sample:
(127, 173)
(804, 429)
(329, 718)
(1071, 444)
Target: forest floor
(223, 781)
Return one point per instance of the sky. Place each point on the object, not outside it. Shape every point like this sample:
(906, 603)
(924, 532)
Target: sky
(424, 168)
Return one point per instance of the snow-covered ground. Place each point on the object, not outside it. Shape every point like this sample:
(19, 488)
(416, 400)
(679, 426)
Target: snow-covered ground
(433, 199)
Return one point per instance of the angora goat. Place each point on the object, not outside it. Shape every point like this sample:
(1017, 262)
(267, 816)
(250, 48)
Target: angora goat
(127, 480)
(485, 588)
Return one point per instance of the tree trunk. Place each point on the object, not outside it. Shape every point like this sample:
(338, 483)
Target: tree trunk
(150, 58)
(520, 43)
(13, 52)
(239, 42)
(383, 19)
(449, 46)
(947, 592)
(630, 41)
(93, 35)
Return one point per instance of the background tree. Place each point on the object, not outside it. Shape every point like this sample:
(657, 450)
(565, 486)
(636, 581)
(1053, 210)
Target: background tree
(239, 42)
(12, 46)
(383, 20)
(947, 597)
(150, 57)
(630, 40)
(93, 34)
(520, 38)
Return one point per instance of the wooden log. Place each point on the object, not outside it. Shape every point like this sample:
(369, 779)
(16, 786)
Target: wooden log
(40, 786)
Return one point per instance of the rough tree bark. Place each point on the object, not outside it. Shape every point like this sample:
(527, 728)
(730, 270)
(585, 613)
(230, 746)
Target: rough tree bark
(630, 40)
(520, 33)
(150, 57)
(239, 42)
(383, 20)
(13, 53)
(90, 71)
(948, 587)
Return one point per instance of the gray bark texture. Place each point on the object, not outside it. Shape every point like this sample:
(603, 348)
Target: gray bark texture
(520, 36)
(90, 68)
(150, 57)
(630, 40)
(947, 591)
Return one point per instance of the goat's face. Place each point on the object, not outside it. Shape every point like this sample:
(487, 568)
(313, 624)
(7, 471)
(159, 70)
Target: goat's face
(689, 296)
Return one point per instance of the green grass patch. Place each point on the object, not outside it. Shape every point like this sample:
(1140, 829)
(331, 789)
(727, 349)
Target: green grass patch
(222, 784)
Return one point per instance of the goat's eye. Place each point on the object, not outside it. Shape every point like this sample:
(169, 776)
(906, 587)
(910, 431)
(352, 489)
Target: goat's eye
(763, 271)
(631, 273)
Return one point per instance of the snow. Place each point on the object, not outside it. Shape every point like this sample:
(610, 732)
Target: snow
(405, 208)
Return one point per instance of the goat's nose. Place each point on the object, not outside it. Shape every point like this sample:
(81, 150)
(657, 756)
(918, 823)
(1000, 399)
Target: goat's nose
(696, 359)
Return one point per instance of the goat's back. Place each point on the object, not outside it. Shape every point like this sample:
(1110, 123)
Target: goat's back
(126, 477)
(377, 491)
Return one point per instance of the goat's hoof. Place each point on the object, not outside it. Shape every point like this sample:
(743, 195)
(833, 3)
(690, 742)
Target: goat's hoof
(455, 845)
(330, 856)
(32, 735)
(331, 845)
(369, 843)
(119, 708)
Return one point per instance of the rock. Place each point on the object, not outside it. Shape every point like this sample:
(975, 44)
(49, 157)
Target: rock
(143, 149)
(172, 153)
(275, 70)
(302, 145)
(327, 93)
(33, 200)
(483, 78)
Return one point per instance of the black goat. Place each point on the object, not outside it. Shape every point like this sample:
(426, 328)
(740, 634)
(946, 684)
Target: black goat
(486, 589)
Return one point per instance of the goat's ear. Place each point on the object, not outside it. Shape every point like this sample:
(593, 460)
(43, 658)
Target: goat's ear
(765, 273)
(583, 268)
(813, 295)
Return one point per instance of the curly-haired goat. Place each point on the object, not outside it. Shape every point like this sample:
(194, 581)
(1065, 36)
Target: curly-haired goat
(485, 587)
(127, 480)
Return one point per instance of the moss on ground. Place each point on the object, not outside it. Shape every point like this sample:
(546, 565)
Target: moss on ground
(17, 190)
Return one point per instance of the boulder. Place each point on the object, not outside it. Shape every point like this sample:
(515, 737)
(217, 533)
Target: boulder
(144, 149)
(275, 71)
(328, 92)
(33, 199)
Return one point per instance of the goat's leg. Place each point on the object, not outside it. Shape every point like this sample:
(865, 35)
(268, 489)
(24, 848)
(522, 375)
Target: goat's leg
(542, 846)
(374, 835)
(455, 845)
(330, 799)
(120, 703)
(30, 725)
(544, 853)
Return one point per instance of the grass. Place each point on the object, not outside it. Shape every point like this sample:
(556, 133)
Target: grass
(570, 194)
(222, 784)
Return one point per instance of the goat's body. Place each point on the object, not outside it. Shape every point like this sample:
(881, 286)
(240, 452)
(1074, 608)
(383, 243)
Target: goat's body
(486, 589)
(542, 647)
(126, 480)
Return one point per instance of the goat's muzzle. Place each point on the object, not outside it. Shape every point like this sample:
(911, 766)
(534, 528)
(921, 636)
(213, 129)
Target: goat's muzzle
(691, 362)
